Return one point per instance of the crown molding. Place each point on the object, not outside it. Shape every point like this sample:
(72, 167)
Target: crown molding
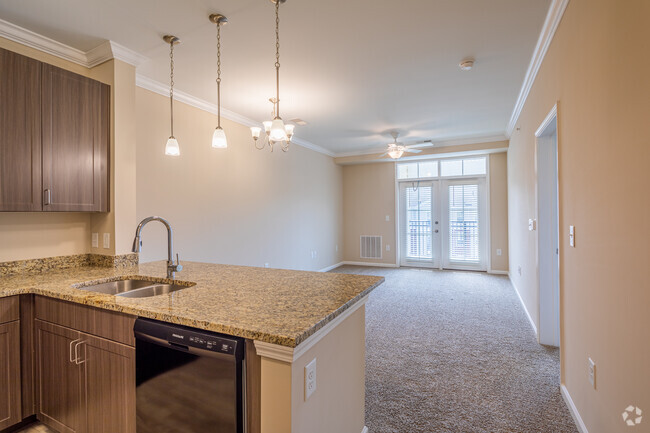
(553, 18)
(34, 40)
(107, 50)
(440, 143)
(180, 96)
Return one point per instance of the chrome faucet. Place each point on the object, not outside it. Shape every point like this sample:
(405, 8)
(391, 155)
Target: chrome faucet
(137, 244)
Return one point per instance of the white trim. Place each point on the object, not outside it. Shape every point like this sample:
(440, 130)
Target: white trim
(34, 40)
(582, 428)
(530, 319)
(180, 96)
(291, 354)
(380, 265)
(105, 51)
(329, 268)
(547, 121)
(365, 429)
(497, 272)
(553, 18)
(441, 143)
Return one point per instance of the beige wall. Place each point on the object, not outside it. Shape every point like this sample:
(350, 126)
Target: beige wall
(594, 70)
(499, 211)
(369, 196)
(239, 205)
(35, 235)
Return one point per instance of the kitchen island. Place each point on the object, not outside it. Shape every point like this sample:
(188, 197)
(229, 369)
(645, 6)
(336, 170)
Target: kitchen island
(289, 318)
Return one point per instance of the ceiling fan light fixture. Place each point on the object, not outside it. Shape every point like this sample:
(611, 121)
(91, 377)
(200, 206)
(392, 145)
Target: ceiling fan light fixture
(396, 152)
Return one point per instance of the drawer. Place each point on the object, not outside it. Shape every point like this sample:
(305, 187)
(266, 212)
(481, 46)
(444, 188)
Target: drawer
(9, 309)
(95, 321)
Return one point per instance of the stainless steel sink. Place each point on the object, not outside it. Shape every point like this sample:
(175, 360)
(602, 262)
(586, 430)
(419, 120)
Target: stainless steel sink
(135, 288)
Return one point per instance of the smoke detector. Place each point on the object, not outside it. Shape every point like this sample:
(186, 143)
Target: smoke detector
(466, 64)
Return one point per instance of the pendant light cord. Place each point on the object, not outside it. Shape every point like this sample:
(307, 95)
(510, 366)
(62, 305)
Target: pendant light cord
(277, 58)
(219, 75)
(171, 85)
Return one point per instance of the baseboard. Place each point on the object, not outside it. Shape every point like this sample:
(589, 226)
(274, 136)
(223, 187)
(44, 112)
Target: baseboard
(582, 428)
(530, 319)
(496, 272)
(329, 268)
(380, 265)
(365, 429)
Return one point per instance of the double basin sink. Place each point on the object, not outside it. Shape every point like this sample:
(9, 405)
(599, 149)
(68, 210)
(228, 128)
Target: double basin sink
(135, 288)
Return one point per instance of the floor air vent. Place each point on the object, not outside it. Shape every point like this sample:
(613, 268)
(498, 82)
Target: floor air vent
(370, 247)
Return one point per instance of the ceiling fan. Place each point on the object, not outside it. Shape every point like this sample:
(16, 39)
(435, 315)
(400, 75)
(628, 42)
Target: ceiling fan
(396, 149)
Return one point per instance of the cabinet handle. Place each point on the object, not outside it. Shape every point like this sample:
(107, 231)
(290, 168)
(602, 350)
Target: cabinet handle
(76, 354)
(47, 197)
(71, 343)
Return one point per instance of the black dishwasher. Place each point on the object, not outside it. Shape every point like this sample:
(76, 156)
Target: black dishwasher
(188, 380)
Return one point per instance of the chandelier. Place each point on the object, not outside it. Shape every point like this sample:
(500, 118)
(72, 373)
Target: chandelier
(276, 132)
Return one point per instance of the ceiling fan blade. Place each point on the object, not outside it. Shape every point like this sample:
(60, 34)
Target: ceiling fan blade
(412, 150)
(423, 144)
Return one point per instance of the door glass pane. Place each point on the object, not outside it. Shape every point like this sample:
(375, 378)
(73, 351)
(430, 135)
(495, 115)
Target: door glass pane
(463, 223)
(418, 222)
(428, 169)
(473, 166)
(407, 171)
(451, 167)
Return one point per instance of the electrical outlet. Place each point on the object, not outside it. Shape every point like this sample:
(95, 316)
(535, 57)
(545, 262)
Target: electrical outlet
(95, 240)
(107, 240)
(387, 217)
(592, 373)
(310, 378)
(498, 251)
(387, 247)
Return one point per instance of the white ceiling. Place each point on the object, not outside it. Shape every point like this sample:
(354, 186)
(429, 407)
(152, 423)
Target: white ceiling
(355, 70)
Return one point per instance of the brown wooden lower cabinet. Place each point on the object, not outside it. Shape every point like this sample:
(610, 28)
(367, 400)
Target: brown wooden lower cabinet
(10, 403)
(84, 383)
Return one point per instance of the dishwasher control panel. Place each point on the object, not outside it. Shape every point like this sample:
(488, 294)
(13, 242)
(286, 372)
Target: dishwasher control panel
(189, 337)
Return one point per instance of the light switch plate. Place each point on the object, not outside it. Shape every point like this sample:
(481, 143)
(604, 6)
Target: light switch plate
(95, 240)
(572, 236)
(498, 251)
(107, 240)
(531, 224)
(387, 217)
(310, 378)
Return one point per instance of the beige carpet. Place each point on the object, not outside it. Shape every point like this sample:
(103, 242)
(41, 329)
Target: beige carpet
(454, 352)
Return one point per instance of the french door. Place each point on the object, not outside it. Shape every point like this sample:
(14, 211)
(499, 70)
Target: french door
(464, 238)
(419, 224)
(442, 224)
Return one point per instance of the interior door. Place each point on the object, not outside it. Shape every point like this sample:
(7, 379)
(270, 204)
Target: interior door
(463, 219)
(419, 224)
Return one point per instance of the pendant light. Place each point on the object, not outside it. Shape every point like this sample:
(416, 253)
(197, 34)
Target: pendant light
(219, 140)
(275, 129)
(171, 148)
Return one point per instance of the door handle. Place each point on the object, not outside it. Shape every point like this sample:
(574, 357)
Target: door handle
(76, 353)
(436, 231)
(71, 343)
(47, 197)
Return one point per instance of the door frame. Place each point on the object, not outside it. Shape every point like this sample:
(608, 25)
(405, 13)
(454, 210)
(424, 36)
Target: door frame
(550, 328)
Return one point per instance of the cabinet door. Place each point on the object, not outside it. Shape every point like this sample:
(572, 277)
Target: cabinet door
(9, 374)
(110, 385)
(75, 142)
(20, 133)
(60, 380)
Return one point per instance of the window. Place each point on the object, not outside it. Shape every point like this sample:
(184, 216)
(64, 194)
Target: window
(448, 168)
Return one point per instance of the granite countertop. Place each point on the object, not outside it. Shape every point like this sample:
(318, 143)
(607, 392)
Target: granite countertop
(272, 305)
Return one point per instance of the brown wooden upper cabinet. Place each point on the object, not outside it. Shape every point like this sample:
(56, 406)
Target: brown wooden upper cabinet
(54, 138)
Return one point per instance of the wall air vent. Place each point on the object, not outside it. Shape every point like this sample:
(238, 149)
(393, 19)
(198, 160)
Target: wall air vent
(370, 247)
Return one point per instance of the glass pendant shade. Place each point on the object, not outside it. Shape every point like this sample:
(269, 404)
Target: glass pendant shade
(255, 131)
(289, 130)
(267, 126)
(171, 148)
(396, 153)
(219, 140)
(278, 133)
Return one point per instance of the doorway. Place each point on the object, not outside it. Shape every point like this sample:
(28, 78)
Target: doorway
(420, 224)
(548, 236)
